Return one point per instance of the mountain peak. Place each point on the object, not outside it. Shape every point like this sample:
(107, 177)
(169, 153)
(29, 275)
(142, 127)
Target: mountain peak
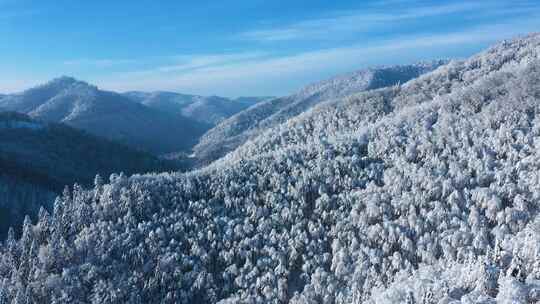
(65, 79)
(65, 82)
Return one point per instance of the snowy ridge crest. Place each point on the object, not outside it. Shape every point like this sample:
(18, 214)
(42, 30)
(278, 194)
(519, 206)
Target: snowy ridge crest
(250, 123)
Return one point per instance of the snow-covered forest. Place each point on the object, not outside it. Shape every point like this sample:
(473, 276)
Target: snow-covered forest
(422, 192)
(38, 159)
(236, 130)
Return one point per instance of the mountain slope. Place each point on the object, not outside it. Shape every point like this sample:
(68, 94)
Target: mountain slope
(407, 188)
(105, 114)
(251, 100)
(247, 124)
(208, 110)
(38, 159)
(357, 111)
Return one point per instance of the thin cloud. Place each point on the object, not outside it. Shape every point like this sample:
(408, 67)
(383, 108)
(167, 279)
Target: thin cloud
(191, 62)
(346, 23)
(280, 75)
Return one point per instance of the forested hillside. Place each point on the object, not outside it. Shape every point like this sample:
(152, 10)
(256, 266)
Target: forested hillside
(250, 123)
(38, 159)
(424, 192)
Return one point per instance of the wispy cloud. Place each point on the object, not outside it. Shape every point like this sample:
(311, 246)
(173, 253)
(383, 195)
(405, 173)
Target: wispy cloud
(380, 14)
(282, 74)
(191, 62)
(266, 71)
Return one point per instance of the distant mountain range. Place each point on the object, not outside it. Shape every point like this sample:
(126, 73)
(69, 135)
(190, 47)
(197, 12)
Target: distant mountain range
(204, 109)
(37, 159)
(67, 131)
(151, 124)
(236, 130)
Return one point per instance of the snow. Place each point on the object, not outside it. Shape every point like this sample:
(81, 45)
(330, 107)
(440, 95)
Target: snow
(423, 192)
(205, 109)
(250, 123)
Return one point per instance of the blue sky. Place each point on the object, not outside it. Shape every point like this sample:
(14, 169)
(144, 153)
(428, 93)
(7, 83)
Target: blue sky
(243, 47)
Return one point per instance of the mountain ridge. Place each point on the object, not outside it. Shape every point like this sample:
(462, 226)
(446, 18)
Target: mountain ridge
(205, 109)
(106, 114)
(249, 123)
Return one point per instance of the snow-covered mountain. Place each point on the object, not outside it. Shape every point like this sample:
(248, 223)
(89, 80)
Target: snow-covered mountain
(424, 192)
(105, 114)
(205, 109)
(251, 100)
(249, 123)
(38, 159)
